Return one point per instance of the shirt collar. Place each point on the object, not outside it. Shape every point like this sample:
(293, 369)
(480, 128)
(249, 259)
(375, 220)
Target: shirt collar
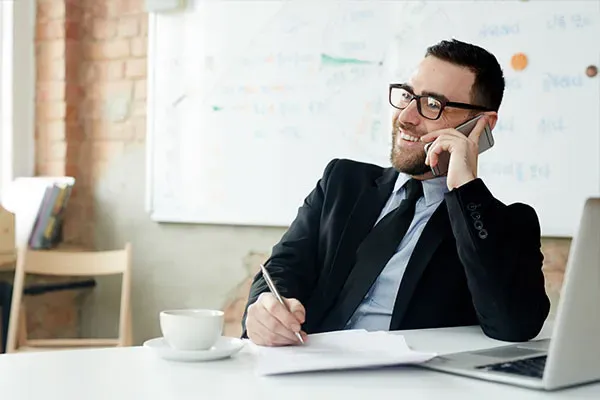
(433, 189)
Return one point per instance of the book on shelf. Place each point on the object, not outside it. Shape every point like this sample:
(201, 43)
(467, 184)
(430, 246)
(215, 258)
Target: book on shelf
(47, 229)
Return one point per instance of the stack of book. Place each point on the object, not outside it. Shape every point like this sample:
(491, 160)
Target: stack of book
(47, 229)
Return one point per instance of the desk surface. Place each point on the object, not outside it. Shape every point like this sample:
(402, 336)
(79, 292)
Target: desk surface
(136, 373)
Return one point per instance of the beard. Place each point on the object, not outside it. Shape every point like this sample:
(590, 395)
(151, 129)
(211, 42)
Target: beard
(408, 161)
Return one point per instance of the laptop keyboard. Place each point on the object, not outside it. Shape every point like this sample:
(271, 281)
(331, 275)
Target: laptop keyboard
(532, 367)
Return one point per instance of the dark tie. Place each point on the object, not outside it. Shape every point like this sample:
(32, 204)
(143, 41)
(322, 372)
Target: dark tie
(383, 240)
(372, 256)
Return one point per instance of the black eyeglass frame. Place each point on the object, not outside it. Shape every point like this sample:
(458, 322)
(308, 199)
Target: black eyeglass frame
(444, 103)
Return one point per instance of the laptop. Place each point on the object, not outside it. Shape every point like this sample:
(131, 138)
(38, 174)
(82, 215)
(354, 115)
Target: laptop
(572, 355)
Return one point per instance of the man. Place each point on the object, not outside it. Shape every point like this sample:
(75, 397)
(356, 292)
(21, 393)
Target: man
(451, 255)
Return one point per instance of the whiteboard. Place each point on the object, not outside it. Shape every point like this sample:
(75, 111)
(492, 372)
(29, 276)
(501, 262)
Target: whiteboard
(249, 100)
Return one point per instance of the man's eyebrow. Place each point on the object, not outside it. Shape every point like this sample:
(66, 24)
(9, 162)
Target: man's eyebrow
(435, 94)
(426, 92)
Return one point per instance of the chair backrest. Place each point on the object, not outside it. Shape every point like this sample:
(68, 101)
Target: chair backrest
(74, 263)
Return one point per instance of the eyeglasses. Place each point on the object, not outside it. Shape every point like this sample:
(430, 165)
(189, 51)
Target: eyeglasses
(429, 106)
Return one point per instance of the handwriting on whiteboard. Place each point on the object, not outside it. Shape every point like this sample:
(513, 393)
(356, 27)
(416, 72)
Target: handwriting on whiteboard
(505, 124)
(551, 125)
(513, 83)
(561, 81)
(519, 171)
(493, 30)
(358, 16)
(228, 90)
(281, 108)
(546, 126)
(288, 131)
(573, 21)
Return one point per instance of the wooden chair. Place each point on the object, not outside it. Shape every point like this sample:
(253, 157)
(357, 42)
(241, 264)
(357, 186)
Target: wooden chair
(7, 239)
(69, 263)
(8, 257)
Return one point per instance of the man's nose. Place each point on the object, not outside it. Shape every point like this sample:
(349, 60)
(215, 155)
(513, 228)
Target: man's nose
(410, 115)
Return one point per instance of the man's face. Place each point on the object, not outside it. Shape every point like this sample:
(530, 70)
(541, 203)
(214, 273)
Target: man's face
(431, 76)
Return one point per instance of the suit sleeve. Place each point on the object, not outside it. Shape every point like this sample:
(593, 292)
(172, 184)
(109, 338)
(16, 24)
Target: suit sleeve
(500, 248)
(293, 261)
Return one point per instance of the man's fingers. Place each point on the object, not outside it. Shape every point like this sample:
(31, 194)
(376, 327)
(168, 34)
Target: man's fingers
(304, 336)
(274, 324)
(270, 323)
(478, 129)
(297, 309)
(264, 329)
(278, 310)
(473, 135)
(264, 335)
(431, 136)
(441, 144)
(277, 319)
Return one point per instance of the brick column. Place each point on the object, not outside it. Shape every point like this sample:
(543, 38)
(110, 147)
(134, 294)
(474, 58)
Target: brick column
(50, 48)
(58, 129)
(90, 94)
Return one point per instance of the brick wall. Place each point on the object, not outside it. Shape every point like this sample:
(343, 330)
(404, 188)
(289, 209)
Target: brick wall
(90, 94)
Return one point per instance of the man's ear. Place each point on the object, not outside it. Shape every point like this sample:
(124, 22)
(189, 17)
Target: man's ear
(492, 117)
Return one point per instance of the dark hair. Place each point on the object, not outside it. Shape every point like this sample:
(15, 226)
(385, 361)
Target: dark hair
(488, 87)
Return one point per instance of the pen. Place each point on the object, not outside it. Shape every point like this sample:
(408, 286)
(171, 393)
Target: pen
(273, 290)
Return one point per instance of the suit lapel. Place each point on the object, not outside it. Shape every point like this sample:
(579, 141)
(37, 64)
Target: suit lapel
(436, 229)
(361, 220)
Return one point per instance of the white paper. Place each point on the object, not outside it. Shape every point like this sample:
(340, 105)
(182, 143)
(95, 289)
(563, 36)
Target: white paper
(339, 350)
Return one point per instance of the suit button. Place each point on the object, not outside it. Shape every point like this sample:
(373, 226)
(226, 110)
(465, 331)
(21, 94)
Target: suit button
(472, 206)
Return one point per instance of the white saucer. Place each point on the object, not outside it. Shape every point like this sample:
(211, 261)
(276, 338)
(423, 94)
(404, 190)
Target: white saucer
(225, 347)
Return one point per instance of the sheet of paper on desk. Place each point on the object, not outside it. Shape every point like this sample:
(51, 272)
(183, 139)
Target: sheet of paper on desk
(339, 350)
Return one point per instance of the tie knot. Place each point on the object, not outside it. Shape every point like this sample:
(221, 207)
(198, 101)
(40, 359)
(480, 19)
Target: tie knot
(414, 190)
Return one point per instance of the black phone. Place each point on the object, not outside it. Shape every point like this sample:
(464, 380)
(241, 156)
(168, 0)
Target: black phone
(486, 142)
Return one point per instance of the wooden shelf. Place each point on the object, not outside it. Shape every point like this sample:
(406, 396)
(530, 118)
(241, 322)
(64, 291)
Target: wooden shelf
(7, 261)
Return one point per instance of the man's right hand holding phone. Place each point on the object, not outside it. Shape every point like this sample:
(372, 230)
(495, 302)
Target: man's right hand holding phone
(268, 323)
(463, 149)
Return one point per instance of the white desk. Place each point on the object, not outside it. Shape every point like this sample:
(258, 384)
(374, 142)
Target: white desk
(136, 373)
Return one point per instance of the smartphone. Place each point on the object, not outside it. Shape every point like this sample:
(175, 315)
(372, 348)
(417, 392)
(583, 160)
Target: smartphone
(486, 142)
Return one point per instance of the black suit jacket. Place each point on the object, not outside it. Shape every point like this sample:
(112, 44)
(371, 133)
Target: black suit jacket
(478, 261)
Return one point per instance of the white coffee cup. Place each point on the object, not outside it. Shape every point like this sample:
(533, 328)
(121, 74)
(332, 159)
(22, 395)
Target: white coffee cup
(193, 329)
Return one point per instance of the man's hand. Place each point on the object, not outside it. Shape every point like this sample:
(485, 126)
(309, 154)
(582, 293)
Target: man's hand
(464, 151)
(268, 323)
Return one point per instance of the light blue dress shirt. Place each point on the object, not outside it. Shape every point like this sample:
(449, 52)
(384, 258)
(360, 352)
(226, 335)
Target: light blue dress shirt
(375, 311)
